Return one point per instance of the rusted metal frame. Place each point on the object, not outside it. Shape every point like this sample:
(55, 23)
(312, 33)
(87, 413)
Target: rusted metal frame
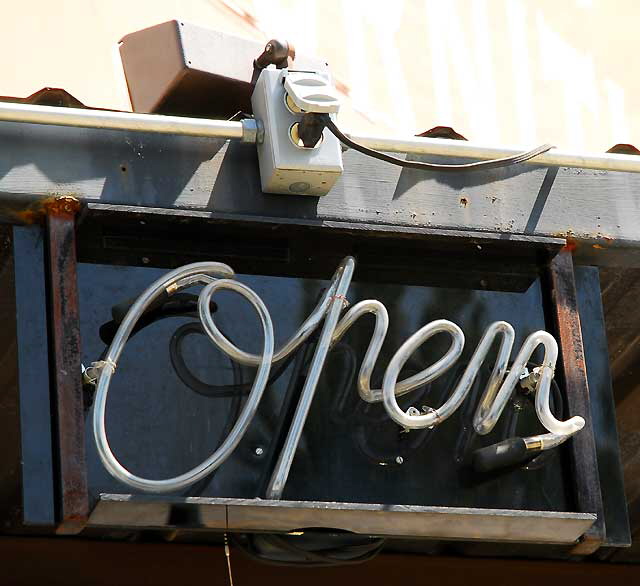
(61, 237)
(72, 502)
(572, 370)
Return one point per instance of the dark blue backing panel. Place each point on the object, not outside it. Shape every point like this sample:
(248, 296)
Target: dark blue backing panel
(349, 452)
(33, 378)
(602, 406)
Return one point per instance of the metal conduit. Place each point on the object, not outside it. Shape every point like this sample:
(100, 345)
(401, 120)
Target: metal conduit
(107, 120)
(460, 148)
(247, 131)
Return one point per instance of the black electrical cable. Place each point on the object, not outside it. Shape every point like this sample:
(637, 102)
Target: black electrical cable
(206, 389)
(178, 305)
(512, 451)
(234, 411)
(182, 305)
(297, 555)
(476, 166)
(558, 408)
(348, 407)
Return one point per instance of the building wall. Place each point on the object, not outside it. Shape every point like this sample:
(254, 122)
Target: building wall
(498, 71)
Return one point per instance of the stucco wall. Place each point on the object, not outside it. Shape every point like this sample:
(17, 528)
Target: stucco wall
(498, 71)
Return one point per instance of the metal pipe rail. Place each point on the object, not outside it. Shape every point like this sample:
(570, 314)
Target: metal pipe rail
(247, 131)
(216, 276)
(109, 120)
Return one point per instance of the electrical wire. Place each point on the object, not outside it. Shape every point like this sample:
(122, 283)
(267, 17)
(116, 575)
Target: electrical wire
(475, 166)
(365, 420)
(205, 389)
(184, 305)
(178, 305)
(284, 551)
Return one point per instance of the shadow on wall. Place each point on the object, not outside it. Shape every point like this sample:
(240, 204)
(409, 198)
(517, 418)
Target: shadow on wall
(110, 166)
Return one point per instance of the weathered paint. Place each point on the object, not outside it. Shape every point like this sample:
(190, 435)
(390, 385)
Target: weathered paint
(64, 321)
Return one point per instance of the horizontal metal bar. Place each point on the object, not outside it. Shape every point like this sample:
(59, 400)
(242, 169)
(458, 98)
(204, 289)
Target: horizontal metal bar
(284, 247)
(596, 211)
(460, 148)
(247, 131)
(109, 120)
(227, 514)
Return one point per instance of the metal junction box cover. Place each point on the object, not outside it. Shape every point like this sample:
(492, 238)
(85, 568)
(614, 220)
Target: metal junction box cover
(285, 167)
(181, 69)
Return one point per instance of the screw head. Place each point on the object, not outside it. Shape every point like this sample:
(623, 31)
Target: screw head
(259, 451)
(299, 187)
(399, 460)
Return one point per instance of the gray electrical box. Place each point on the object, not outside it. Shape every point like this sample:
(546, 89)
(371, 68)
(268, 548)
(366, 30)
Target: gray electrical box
(285, 166)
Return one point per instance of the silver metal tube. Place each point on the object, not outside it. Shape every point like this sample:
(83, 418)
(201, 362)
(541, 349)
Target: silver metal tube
(30, 114)
(481, 419)
(460, 148)
(249, 132)
(299, 336)
(436, 416)
(545, 441)
(285, 459)
(543, 409)
(402, 387)
(498, 391)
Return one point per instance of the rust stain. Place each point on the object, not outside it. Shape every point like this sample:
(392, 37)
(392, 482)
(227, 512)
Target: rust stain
(571, 244)
(61, 204)
(28, 216)
(52, 204)
(342, 87)
(65, 331)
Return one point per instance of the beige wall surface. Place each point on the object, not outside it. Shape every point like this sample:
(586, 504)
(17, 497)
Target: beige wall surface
(499, 71)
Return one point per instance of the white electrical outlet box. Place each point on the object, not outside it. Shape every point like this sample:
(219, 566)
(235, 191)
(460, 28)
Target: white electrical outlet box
(286, 167)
